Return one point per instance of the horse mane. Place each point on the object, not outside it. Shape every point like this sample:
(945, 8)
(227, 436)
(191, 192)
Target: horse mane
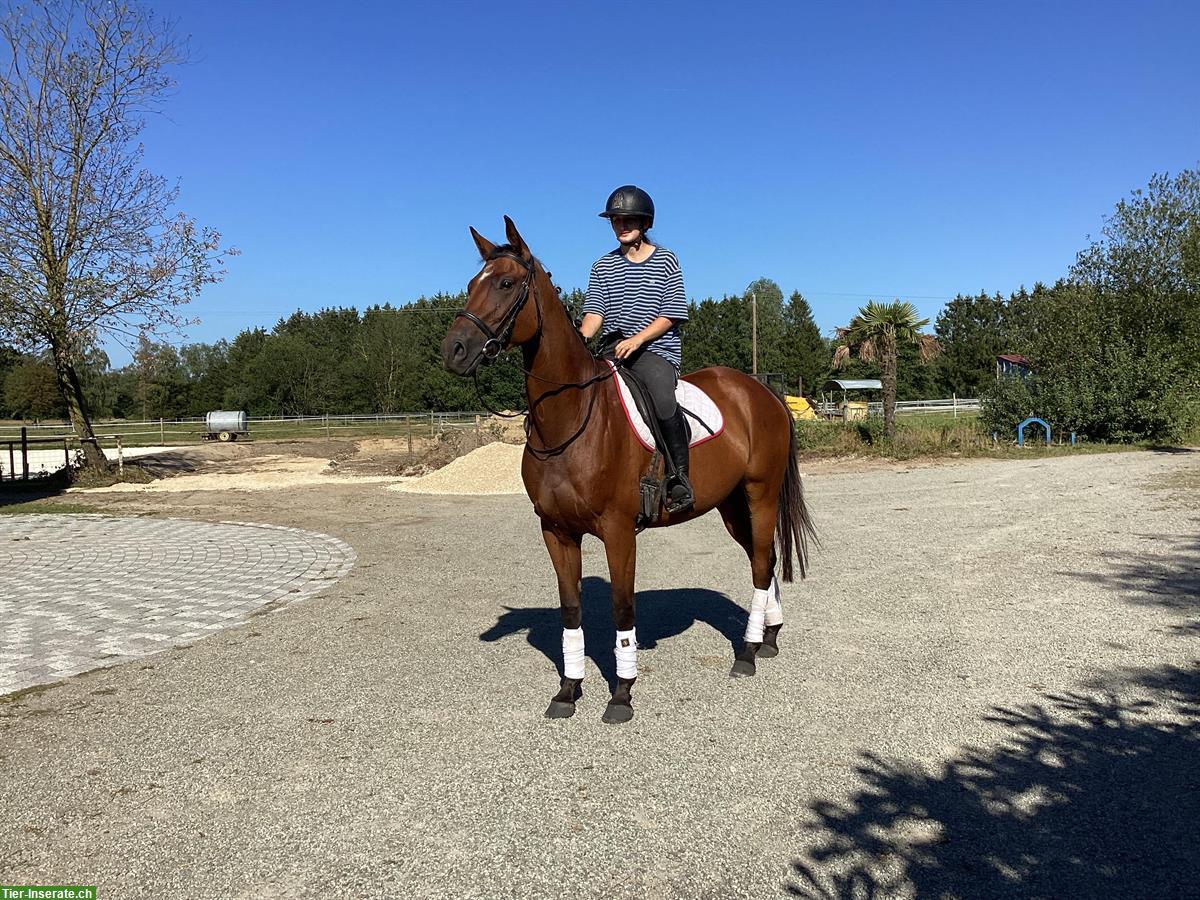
(501, 249)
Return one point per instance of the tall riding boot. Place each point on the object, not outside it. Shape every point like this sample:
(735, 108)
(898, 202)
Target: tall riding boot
(679, 490)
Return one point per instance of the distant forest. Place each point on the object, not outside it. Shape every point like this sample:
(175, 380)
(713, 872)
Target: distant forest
(1114, 347)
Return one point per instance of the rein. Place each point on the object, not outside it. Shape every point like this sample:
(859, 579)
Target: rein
(494, 345)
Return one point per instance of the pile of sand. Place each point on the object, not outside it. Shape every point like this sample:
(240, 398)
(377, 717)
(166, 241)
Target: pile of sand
(269, 473)
(492, 469)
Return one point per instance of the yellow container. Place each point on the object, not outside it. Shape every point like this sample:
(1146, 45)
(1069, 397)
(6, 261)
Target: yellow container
(853, 410)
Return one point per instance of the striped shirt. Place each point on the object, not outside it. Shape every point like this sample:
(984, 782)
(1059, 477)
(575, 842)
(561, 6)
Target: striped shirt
(631, 295)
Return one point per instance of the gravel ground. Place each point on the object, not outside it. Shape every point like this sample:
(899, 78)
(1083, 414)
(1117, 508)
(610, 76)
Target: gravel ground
(987, 688)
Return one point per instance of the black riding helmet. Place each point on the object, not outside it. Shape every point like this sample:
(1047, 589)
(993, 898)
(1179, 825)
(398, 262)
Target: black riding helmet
(629, 200)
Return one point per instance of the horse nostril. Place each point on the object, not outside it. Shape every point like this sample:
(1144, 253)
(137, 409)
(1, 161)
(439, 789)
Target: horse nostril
(459, 350)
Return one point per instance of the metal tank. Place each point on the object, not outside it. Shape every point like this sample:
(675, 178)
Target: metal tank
(225, 425)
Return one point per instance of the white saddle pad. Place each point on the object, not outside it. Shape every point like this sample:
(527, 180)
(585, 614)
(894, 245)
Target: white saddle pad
(696, 405)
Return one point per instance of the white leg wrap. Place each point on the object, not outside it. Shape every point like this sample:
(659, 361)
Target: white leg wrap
(627, 653)
(758, 614)
(774, 608)
(573, 652)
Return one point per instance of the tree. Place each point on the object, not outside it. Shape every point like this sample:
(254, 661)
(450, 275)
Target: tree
(90, 243)
(806, 356)
(30, 391)
(970, 331)
(877, 333)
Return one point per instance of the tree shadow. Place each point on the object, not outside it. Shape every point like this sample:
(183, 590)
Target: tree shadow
(660, 615)
(35, 488)
(1089, 795)
(1170, 578)
(165, 465)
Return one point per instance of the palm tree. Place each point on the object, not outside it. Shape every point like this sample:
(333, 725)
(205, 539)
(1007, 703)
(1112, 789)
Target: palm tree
(876, 333)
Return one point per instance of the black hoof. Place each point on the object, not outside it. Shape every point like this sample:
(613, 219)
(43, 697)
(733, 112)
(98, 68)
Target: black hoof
(770, 644)
(559, 710)
(616, 713)
(741, 669)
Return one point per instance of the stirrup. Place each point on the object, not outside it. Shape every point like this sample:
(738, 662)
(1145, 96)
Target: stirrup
(685, 501)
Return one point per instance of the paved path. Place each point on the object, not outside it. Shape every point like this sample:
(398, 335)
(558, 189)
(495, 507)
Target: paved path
(81, 592)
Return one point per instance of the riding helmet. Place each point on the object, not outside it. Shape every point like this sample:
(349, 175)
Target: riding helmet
(629, 200)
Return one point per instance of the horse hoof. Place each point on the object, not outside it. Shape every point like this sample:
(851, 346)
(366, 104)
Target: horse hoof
(616, 713)
(741, 669)
(767, 651)
(560, 710)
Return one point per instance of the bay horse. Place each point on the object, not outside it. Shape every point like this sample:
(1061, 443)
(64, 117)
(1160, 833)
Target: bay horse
(582, 462)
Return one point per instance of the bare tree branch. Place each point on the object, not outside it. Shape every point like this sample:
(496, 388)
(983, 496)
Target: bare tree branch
(90, 242)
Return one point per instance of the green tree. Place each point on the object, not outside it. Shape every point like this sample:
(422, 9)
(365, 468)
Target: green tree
(31, 391)
(805, 353)
(970, 331)
(877, 333)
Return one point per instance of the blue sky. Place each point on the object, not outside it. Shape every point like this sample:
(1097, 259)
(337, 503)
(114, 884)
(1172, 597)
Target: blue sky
(848, 151)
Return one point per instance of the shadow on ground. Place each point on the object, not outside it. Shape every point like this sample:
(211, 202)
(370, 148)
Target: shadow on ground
(660, 615)
(1088, 796)
(1170, 578)
(37, 488)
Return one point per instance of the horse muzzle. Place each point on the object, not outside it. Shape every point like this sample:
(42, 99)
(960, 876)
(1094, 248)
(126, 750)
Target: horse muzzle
(464, 351)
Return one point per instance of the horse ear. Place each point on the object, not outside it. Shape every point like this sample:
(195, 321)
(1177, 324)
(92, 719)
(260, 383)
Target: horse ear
(485, 246)
(514, 237)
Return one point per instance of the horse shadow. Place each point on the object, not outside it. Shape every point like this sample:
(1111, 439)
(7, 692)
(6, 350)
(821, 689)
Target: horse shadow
(660, 615)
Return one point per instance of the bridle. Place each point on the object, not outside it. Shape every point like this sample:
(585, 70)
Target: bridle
(494, 346)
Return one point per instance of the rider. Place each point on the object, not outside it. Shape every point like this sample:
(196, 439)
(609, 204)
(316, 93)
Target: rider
(637, 290)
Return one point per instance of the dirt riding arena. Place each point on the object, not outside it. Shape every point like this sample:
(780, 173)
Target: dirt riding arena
(987, 687)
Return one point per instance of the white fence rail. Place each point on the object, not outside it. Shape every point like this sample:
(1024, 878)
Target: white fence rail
(194, 427)
(955, 406)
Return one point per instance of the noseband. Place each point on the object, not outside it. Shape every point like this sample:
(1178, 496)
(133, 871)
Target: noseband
(496, 340)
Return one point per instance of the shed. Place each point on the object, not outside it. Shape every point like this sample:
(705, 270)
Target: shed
(853, 409)
(1012, 364)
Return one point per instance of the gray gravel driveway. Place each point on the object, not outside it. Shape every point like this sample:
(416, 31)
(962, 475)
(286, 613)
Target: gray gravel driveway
(988, 687)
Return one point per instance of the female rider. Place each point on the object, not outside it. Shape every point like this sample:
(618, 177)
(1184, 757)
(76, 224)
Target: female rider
(637, 290)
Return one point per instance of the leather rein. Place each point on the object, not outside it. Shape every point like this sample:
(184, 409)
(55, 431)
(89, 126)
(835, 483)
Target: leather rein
(494, 346)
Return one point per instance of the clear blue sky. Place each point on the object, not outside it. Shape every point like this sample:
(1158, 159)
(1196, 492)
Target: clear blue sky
(849, 151)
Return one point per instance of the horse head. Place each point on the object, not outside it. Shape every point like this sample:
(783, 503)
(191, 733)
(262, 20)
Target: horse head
(503, 308)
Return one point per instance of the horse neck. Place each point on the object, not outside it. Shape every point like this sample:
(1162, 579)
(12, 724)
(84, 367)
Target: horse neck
(558, 356)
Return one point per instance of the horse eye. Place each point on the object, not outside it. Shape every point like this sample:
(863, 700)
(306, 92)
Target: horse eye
(506, 283)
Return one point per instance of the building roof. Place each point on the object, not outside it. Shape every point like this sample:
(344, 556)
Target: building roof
(855, 384)
(1014, 358)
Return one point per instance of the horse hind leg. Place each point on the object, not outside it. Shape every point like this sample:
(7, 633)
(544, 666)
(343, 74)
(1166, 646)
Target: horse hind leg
(772, 622)
(756, 535)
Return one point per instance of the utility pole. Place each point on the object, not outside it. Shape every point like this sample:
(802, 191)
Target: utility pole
(753, 332)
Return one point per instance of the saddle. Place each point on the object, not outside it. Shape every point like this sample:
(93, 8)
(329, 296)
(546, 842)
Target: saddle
(703, 418)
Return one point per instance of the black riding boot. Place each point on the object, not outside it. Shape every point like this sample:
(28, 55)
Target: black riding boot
(679, 490)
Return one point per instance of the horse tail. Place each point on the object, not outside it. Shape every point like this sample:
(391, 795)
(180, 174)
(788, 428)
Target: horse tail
(793, 526)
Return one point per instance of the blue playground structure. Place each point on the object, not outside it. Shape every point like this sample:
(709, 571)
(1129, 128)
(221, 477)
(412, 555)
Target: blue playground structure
(1031, 420)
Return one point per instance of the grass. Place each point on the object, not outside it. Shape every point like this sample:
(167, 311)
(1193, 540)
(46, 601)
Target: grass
(929, 436)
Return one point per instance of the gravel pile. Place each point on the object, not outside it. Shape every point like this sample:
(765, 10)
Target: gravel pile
(491, 469)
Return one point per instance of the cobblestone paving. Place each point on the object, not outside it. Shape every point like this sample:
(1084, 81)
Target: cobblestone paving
(81, 592)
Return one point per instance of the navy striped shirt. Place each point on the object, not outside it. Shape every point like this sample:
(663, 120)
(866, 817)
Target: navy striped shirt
(631, 295)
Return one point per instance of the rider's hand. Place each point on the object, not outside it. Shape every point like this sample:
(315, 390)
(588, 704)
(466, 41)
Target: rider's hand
(628, 347)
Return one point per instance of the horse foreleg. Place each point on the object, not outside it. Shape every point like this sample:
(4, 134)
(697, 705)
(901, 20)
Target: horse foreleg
(621, 550)
(567, 557)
